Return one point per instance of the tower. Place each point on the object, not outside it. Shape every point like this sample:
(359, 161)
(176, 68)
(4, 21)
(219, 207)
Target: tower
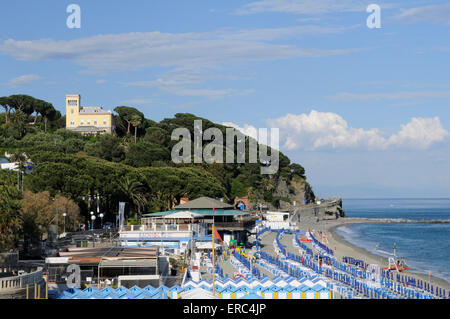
(72, 109)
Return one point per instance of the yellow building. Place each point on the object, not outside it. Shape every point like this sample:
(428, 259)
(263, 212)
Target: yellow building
(87, 120)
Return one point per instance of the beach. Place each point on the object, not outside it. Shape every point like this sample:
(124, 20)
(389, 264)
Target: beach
(342, 247)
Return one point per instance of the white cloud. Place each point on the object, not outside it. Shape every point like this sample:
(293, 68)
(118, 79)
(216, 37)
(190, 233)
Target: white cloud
(304, 6)
(24, 80)
(182, 54)
(181, 83)
(326, 130)
(438, 14)
(262, 135)
(249, 130)
(420, 133)
(178, 50)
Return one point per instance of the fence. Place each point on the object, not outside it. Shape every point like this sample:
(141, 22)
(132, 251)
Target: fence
(21, 281)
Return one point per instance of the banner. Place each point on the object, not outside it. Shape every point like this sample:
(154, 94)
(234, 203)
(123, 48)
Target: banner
(121, 214)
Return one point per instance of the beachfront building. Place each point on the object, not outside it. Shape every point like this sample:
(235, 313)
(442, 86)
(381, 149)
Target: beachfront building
(87, 120)
(108, 265)
(191, 221)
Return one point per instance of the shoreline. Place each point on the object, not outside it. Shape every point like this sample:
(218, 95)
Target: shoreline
(344, 248)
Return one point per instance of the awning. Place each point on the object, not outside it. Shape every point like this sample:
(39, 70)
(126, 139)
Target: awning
(184, 214)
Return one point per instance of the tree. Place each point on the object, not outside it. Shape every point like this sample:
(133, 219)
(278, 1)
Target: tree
(133, 190)
(5, 103)
(34, 206)
(144, 154)
(157, 135)
(162, 200)
(126, 114)
(10, 224)
(66, 206)
(136, 120)
(107, 147)
(40, 210)
(22, 103)
(297, 169)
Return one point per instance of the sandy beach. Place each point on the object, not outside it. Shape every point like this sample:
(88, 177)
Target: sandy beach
(344, 248)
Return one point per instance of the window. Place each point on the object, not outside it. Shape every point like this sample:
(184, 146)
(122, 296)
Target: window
(104, 122)
(88, 122)
(71, 111)
(95, 122)
(72, 122)
(81, 122)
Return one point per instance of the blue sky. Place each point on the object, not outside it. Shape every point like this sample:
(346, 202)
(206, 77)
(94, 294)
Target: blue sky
(366, 111)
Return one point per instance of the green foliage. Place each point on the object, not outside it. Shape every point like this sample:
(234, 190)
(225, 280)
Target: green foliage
(144, 154)
(106, 147)
(128, 115)
(10, 219)
(77, 166)
(157, 135)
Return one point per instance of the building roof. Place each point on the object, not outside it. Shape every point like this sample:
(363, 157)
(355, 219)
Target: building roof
(203, 212)
(137, 263)
(94, 110)
(184, 214)
(88, 129)
(204, 203)
(78, 253)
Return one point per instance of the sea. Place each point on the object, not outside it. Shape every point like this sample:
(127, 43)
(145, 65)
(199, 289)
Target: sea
(425, 246)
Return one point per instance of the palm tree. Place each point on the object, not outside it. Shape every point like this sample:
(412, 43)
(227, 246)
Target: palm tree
(163, 200)
(133, 190)
(136, 120)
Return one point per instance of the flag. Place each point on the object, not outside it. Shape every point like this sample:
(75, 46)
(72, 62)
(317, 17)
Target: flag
(217, 236)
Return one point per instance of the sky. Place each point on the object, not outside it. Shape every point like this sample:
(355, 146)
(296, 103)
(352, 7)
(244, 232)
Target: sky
(364, 110)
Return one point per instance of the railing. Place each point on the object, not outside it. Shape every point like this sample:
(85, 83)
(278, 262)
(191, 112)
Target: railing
(160, 227)
(21, 281)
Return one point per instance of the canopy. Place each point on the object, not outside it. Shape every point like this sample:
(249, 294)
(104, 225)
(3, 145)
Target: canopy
(184, 214)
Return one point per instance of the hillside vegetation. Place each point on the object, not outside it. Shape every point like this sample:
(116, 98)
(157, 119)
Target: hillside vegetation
(132, 165)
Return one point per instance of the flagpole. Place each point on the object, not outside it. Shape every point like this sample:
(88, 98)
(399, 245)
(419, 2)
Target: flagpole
(213, 256)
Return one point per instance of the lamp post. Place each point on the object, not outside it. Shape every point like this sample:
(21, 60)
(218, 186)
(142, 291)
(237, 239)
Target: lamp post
(64, 222)
(93, 220)
(58, 210)
(101, 218)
